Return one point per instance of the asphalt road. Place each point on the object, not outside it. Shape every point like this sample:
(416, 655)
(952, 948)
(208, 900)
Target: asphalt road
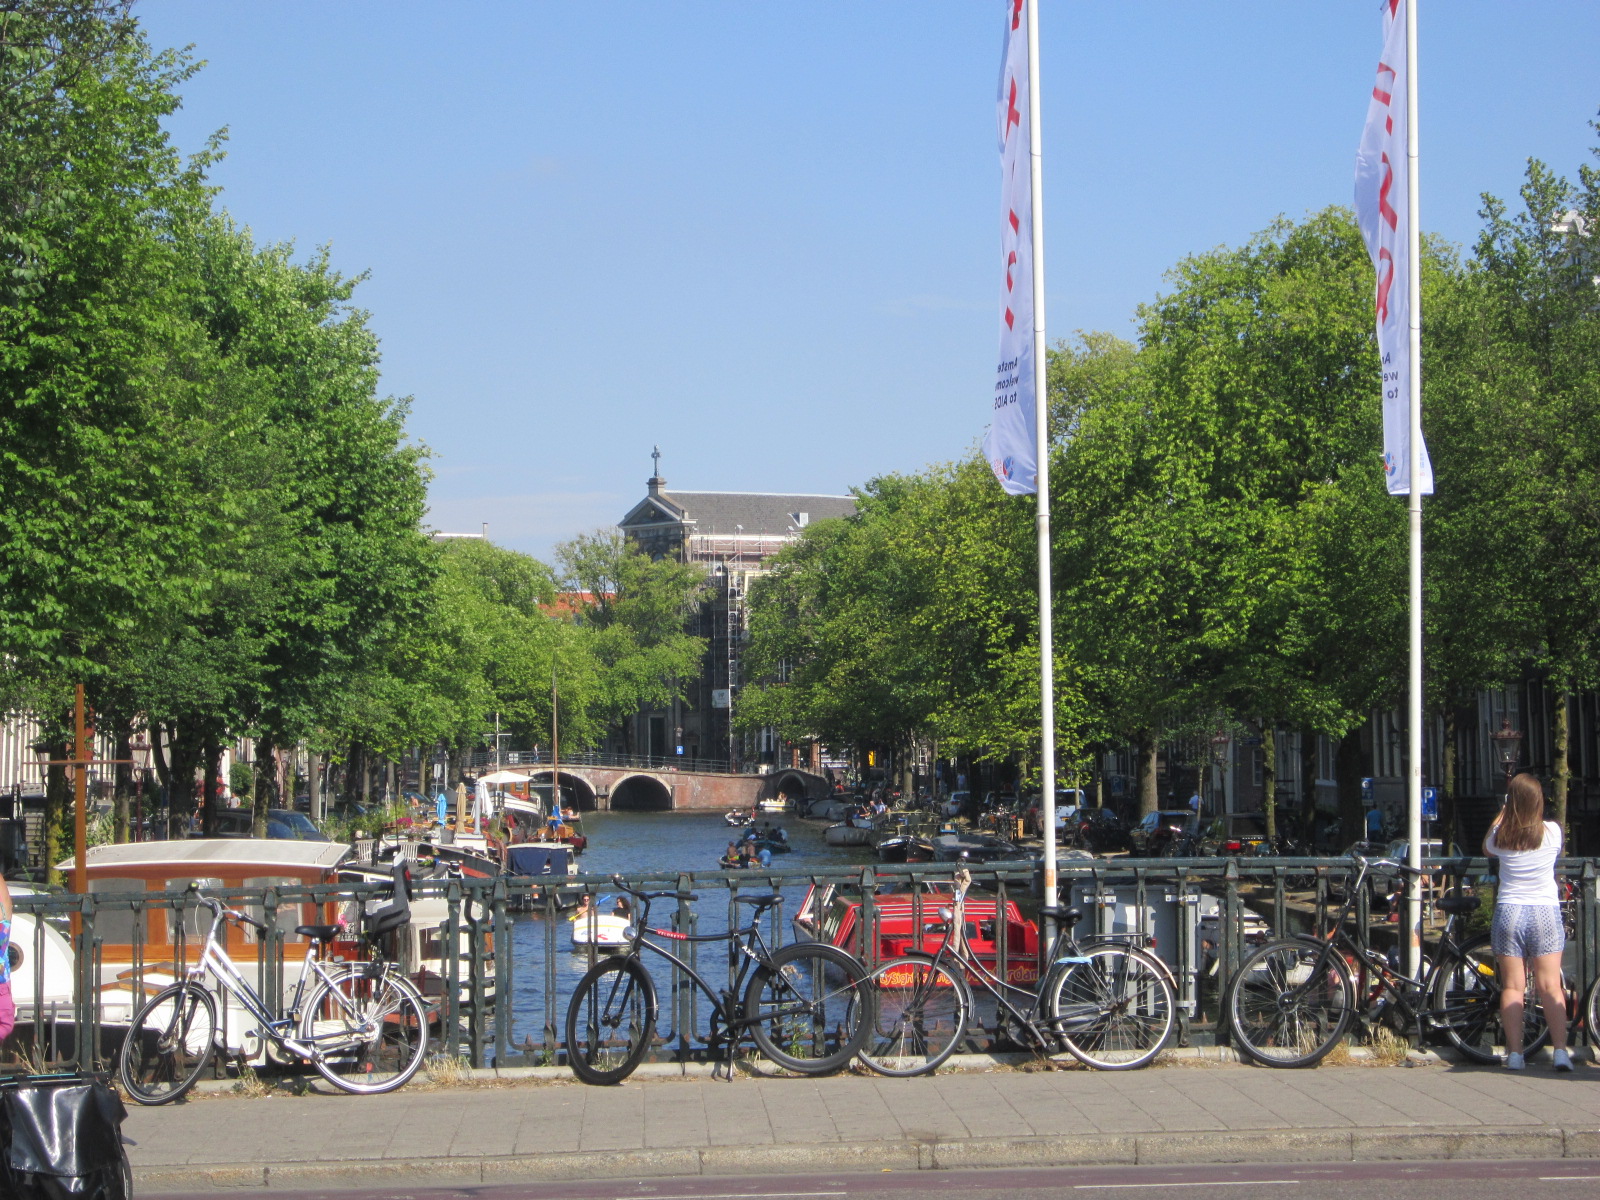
(1556, 1179)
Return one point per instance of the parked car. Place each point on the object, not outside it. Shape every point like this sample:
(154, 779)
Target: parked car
(1235, 834)
(302, 825)
(241, 822)
(1163, 832)
(1100, 831)
(1068, 803)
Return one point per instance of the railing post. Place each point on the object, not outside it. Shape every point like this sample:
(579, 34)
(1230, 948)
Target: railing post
(450, 950)
(503, 942)
(683, 991)
(1232, 937)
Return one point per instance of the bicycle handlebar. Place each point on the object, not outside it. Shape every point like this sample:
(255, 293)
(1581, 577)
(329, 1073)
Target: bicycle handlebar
(632, 891)
(223, 912)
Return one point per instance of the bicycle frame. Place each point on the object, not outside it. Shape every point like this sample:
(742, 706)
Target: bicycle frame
(215, 959)
(1399, 987)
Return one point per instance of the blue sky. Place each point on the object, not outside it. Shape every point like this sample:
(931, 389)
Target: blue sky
(763, 235)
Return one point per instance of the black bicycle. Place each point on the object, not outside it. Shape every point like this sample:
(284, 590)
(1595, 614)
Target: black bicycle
(1294, 999)
(807, 1006)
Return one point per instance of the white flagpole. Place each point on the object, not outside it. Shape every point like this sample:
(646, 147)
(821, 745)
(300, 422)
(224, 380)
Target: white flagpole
(1041, 426)
(1414, 715)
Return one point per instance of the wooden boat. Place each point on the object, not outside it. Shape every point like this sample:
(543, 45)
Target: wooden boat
(846, 833)
(911, 921)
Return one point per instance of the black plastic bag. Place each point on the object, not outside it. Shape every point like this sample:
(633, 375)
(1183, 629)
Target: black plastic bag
(61, 1138)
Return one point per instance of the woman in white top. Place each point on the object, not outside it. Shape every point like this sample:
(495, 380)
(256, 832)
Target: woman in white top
(1527, 917)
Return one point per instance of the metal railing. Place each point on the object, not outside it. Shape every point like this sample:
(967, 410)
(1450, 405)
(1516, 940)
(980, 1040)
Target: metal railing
(500, 984)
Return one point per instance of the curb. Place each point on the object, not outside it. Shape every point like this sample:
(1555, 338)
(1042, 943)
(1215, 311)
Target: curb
(1190, 1149)
(1213, 1056)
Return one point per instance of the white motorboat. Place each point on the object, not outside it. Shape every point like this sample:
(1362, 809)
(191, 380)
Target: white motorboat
(605, 932)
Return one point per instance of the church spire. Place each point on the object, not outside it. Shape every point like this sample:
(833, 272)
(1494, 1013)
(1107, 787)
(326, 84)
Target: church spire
(655, 482)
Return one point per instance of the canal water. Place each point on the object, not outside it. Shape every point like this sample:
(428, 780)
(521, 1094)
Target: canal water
(545, 969)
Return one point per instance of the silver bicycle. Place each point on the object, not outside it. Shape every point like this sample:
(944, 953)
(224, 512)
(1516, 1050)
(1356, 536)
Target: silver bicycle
(362, 1025)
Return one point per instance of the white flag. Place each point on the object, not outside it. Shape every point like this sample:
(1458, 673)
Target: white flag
(1009, 445)
(1381, 211)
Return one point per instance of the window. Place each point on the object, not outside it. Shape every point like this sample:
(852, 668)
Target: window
(288, 914)
(113, 922)
(195, 918)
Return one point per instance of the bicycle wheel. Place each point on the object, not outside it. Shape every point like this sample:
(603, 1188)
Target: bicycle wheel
(369, 1028)
(168, 1044)
(1290, 1003)
(611, 1021)
(922, 1016)
(810, 1007)
(1112, 1007)
(1465, 999)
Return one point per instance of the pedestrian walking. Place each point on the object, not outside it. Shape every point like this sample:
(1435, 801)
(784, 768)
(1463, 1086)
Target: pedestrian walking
(1527, 930)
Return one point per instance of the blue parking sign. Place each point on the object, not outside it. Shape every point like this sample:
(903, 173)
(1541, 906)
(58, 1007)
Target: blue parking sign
(1430, 804)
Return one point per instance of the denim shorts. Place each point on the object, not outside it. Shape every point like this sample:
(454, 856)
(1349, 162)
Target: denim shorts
(1527, 930)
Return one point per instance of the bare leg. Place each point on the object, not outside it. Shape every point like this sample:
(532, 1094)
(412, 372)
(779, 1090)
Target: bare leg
(1513, 984)
(1552, 997)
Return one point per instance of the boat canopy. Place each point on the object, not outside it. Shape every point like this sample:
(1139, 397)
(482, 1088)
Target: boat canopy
(255, 852)
(540, 858)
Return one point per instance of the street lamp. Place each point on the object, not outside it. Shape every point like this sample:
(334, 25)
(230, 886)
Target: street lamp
(1507, 747)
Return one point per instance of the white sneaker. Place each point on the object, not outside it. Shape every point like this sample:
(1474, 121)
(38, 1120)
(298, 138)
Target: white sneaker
(1514, 1062)
(1562, 1061)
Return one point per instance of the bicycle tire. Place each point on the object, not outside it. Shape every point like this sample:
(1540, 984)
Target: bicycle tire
(169, 1042)
(1112, 1007)
(810, 1007)
(1279, 1015)
(1467, 986)
(922, 1012)
(603, 1007)
(369, 1028)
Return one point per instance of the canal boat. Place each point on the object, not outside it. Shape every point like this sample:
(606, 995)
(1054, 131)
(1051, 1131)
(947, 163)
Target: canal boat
(906, 921)
(605, 932)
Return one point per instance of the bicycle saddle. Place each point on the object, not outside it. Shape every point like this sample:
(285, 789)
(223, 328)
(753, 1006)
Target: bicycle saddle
(1069, 916)
(318, 933)
(759, 901)
(1456, 905)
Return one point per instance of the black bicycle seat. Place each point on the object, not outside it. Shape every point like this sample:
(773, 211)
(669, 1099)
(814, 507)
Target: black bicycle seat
(1069, 916)
(318, 933)
(1456, 905)
(758, 901)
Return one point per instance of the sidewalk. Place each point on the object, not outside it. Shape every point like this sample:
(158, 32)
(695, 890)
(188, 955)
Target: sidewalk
(519, 1130)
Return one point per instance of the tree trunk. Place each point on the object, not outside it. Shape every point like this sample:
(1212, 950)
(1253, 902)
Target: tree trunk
(266, 788)
(1448, 817)
(122, 793)
(1562, 774)
(211, 793)
(1269, 778)
(314, 785)
(1308, 787)
(1348, 766)
(1145, 751)
(58, 832)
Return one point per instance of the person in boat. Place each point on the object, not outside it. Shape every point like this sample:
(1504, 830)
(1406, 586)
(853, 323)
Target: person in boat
(778, 835)
(584, 908)
(732, 859)
(8, 1008)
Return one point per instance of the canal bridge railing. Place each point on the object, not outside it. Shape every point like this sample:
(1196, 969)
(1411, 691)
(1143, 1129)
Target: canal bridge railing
(501, 997)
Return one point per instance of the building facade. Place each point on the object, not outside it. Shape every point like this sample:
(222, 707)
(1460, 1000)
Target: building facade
(733, 536)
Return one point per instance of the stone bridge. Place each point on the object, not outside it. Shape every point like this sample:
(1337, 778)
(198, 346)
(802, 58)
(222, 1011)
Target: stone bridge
(638, 790)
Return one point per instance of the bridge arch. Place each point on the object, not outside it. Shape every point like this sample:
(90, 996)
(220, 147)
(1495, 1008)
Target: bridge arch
(576, 792)
(641, 793)
(792, 784)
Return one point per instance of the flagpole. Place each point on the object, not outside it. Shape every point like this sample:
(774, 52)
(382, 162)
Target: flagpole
(1041, 427)
(1414, 715)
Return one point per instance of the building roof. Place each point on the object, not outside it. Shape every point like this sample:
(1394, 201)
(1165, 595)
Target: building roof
(762, 514)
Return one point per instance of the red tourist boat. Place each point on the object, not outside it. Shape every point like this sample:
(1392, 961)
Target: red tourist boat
(832, 914)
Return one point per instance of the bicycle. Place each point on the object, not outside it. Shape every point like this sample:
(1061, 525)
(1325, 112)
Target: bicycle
(1109, 1003)
(1293, 999)
(807, 1005)
(363, 1026)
